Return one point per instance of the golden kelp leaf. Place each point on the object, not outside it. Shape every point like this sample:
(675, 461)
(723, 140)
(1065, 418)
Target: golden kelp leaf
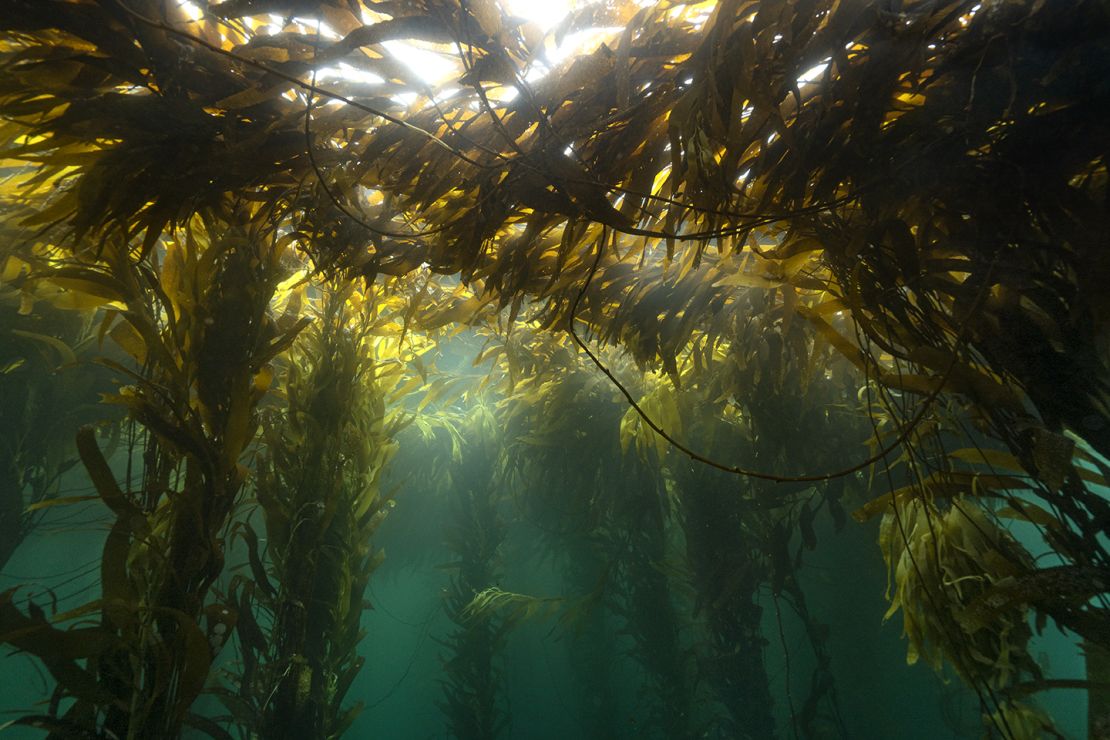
(258, 570)
(340, 18)
(59, 501)
(921, 384)
(1052, 454)
(282, 342)
(661, 406)
(987, 456)
(251, 96)
(88, 281)
(945, 485)
(239, 428)
(196, 660)
(458, 311)
(65, 354)
(444, 389)
(58, 649)
(488, 15)
(1027, 511)
(963, 378)
(103, 478)
(67, 300)
(748, 280)
(409, 386)
(115, 584)
(127, 337)
(13, 268)
(1091, 476)
(263, 379)
(839, 342)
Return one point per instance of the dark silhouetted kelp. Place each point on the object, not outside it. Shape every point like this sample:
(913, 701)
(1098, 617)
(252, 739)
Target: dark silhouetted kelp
(633, 306)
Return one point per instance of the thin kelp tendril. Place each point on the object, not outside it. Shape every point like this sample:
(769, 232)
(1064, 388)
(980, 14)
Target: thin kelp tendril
(736, 469)
(997, 718)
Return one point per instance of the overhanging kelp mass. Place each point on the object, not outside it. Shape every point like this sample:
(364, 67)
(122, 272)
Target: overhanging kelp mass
(661, 297)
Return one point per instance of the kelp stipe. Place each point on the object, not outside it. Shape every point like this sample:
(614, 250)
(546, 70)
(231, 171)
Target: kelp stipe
(317, 486)
(789, 400)
(605, 507)
(49, 387)
(558, 438)
(195, 320)
(473, 688)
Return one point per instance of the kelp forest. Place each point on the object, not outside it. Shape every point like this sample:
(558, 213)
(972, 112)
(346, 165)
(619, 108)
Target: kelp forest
(601, 369)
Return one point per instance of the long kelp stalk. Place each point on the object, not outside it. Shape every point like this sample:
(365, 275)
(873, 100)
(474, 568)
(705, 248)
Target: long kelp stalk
(195, 318)
(590, 644)
(643, 599)
(48, 388)
(318, 489)
(728, 571)
(204, 349)
(473, 687)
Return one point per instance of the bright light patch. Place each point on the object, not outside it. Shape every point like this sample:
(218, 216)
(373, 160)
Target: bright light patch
(326, 31)
(699, 20)
(191, 9)
(544, 13)
(502, 94)
(581, 42)
(445, 93)
(813, 73)
(431, 67)
(346, 72)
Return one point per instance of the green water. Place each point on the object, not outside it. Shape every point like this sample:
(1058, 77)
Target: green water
(592, 680)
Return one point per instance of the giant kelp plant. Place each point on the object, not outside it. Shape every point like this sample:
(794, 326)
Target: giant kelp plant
(318, 488)
(677, 285)
(49, 389)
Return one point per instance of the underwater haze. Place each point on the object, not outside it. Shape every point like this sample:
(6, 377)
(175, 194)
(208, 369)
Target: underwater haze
(601, 370)
(593, 630)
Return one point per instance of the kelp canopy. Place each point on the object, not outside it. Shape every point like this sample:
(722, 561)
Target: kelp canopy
(811, 253)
